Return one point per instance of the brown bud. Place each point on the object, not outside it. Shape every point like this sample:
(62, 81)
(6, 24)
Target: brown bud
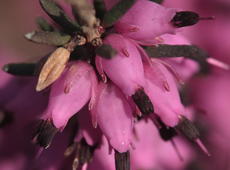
(53, 68)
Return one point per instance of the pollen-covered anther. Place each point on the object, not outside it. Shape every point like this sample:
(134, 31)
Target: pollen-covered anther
(143, 102)
(188, 129)
(122, 160)
(45, 133)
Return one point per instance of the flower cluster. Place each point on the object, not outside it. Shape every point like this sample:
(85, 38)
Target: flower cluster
(113, 82)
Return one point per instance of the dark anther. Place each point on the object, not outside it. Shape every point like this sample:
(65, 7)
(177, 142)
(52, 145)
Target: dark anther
(83, 155)
(143, 102)
(20, 69)
(188, 129)
(122, 160)
(185, 18)
(45, 133)
(5, 118)
(167, 133)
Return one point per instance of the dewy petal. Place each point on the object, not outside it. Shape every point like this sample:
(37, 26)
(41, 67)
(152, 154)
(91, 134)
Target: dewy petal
(126, 68)
(145, 21)
(70, 93)
(167, 103)
(114, 117)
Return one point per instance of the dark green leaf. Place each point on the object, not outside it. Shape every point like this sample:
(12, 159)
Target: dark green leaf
(20, 69)
(50, 38)
(58, 15)
(117, 12)
(100, 8)
(43, 24)
(106, 51)
(188, 51)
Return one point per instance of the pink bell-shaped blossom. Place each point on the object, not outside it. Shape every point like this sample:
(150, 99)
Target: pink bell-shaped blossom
(162, 90)
(70, 92)
(125, 69)
(145, 21)
(114, 116)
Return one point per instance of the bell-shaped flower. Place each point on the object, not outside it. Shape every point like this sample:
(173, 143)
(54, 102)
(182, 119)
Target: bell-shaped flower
(162, 90)
(114, 116)
(125, 69)
(145, 21)
(70, 93)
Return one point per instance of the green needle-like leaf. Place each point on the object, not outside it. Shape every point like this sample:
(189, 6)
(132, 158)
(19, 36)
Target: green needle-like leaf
(50, 38)
(117, 12)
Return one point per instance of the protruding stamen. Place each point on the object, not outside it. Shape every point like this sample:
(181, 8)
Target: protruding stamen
(202, 147)
(177, 150)
(122, 160)
(217, 63)
(143, 102)
(188, 129)
(83, 154)
(207, 18)
(45, 133)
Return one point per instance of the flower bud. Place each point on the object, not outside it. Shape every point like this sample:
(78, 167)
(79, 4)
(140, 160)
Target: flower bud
(53, 68)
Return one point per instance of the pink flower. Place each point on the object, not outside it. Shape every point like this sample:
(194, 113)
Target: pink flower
(162, 90)
(125, 69)
(155, 23)
(70, 93)
(115, 121)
